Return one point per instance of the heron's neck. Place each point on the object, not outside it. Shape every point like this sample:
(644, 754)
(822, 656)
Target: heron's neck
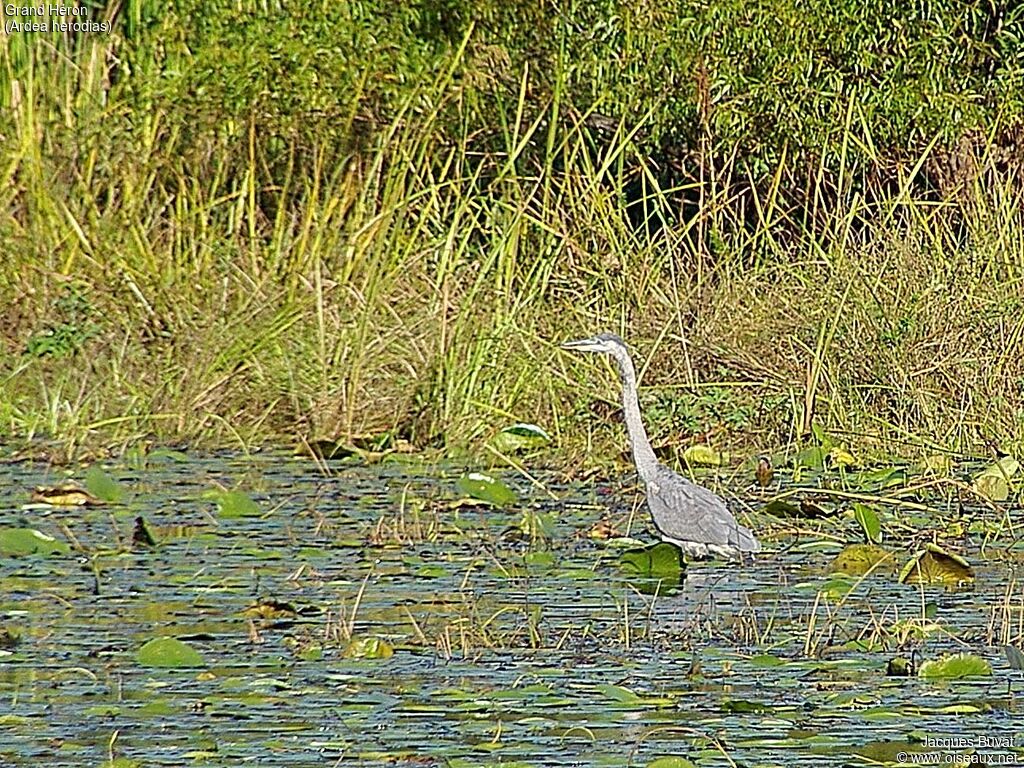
(643, 454)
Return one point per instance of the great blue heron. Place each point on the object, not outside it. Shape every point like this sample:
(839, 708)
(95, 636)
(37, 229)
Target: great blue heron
(687, 515)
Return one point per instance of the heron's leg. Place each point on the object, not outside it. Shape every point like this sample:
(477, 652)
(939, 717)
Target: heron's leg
(692, 550)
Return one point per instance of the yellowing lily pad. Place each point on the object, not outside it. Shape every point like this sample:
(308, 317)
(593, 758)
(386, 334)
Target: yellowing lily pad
(934, 565)
(841, 457)
(703, 455)
(936, 464)
(858, 559)
(368, 648)
(994, 481)
(64, 496)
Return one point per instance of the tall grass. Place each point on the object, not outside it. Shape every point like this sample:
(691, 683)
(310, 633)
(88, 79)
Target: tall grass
(162, 284)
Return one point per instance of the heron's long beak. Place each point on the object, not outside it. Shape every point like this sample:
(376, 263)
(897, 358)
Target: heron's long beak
(582, 345)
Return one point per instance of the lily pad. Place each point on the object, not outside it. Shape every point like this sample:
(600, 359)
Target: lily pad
(520, 437)
(170, 653)
(956, 666)
(934, 565)
(662, 561)
(537, 526)
(103, 486)
(994, 481)
(781, 508)
(867, 518)
(878, 479)
(858, 559)
(18, 542)
(671, 762)
(484, 487)
(811, 458)
(368, 648)
(703, 455)
(841, 457)
(622, 695)
(233, 503)
(64, 496)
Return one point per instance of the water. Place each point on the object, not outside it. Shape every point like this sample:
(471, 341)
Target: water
(500, 654)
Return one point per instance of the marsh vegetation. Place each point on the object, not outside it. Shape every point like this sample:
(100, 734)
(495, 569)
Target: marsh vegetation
(241, 224)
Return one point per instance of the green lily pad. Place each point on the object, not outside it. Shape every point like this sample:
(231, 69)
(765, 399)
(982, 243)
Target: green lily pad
(878, 479)
(541, 559)
(781, 508)
(121, 762)
(887, 752)
(671, 762)
(618, 693)
(484, 487)
(169, 652)
(868, 520)
(18, 542)
(538, 526)
(368, 648)
(103, 486)
(520, 437)
(811, 458)
(622, 695)
(233, 503)
(956, 666)
(933, 565)
(766, 660)
(662, 561)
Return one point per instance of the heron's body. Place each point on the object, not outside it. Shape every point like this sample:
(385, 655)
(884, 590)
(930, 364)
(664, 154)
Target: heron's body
(685, 514)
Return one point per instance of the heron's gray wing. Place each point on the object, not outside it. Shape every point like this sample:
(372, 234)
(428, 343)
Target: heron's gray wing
(689, 512)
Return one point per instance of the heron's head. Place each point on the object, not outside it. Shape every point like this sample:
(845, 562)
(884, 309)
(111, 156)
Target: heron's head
(608, 343)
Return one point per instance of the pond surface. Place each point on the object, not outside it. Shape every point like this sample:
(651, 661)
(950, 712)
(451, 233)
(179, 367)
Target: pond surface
(507, 649)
